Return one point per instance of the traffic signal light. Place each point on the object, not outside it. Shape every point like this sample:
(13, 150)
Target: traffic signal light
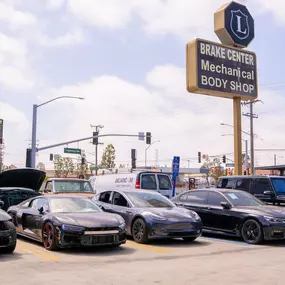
(95, 140)
(148, 138)
(134, 158)
(224, 159)
(51, 157)
(83, 160)
(199, 157)
(29, 157)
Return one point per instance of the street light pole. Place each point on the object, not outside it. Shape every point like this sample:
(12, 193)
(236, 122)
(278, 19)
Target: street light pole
(34, 126)
(145, 153)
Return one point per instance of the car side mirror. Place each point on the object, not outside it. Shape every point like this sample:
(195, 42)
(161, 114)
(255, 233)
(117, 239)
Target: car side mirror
(1, 204)
(268, 193)
(226, 205)
(41, 209)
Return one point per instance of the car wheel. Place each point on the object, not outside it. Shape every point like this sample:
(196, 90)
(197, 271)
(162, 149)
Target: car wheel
(139, 231)
(189, 239)
(252, 232)
(9, 249)
(49, 236)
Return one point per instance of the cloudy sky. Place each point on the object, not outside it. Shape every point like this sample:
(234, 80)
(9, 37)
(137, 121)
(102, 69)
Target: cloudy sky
(127, 59)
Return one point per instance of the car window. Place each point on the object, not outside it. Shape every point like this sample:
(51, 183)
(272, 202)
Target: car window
(38, 203)
(226, 183)
(183, 197)
(148, 181)
(197, 197)
(215, 199)
(119, 200)
(164, 182)
(49, 186)
(243, 184)
(105, 197)
(261, 185)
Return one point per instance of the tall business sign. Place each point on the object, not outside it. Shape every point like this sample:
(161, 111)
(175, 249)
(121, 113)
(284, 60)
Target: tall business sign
(1, 131)
(226, 70)
(175, 172)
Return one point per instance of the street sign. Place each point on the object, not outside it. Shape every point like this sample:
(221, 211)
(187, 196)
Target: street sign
(175, 172)
(72, 150)
(218, 70)
(141, 136)
(94, 168)
(234, 25)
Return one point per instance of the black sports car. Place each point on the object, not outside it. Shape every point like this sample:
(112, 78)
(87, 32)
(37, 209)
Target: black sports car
(235, 213)
(8, 235)
(18, 185)
(66, 221)
(149, 214)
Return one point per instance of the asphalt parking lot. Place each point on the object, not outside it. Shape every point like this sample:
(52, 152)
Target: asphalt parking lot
(209, 260)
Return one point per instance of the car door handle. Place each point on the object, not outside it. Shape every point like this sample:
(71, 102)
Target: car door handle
(128, 212)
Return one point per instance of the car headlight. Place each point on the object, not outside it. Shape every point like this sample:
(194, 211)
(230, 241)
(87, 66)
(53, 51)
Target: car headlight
(122, 226)
(156, 217)
(273, 220)
(72, 228)
(194, 216)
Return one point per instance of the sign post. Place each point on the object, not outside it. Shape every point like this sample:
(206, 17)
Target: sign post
(175, 172)
(225, 70)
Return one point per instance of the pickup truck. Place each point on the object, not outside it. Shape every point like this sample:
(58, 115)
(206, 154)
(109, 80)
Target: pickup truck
(68, 186)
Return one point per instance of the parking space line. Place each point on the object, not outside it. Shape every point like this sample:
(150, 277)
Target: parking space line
(227, 241)
(43, 254)
(147, 247)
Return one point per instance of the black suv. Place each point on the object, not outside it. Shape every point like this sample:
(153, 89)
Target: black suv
(269, 189)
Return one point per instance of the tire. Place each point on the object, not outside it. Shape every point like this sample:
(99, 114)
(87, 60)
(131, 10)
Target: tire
(49, 237)
(9, 249)
(139, 231)
(252, 232)
(189, 239)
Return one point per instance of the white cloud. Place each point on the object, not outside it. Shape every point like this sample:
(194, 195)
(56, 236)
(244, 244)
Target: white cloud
(54, 4)
(71, 38)
(16, 18)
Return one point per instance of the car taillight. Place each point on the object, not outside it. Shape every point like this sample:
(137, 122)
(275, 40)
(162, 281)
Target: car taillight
(138, 186)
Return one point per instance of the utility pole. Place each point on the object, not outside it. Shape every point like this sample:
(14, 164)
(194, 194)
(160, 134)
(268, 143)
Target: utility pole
(251, 116)
(275, 159)
(97, 128)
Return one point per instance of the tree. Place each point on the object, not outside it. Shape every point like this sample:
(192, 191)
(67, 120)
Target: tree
(214, 169)
(108, 157)
(41, 166)
(122, 166)
(81, 169)
(63, 166)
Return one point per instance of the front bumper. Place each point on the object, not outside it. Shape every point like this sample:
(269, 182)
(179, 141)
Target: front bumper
(274, 232)
(174, 229)
(8, 238)
(71, 239)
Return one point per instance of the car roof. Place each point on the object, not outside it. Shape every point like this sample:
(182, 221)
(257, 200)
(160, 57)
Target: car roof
(68, 179)
(130, 190)
(252, 176)
(64, 196)
(221, 190)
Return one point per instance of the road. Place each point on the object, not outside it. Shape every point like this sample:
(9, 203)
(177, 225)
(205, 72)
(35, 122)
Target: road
(209, 260)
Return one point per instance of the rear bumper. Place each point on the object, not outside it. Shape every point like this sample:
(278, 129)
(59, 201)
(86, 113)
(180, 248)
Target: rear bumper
(80, 240)
(8, 238)
(175, 230)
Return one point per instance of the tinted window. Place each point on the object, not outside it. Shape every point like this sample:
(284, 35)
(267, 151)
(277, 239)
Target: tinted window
(105, 197)
(279, 185)
(164, 182)
(243, 184)
(149, 200)
(215, 199)
(197, 197)
(242, 199)
(119, 200)
(261, 185)
(226, 183)
(148, 182)
(37, 203)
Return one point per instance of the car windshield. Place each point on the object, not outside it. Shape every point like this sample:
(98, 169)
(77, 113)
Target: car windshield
(279, 185)
(75, 186)
(149, 200)
(243, 199)
(72, 205)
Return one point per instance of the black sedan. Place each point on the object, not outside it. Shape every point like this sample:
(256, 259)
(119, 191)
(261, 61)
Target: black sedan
(149, 214)
(67, 221)
(8, 235)
(235, 213)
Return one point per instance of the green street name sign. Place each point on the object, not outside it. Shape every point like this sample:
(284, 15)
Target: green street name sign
(72, 150)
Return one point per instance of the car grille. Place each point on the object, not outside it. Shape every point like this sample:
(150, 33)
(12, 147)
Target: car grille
(102, 229)
(96, 240)
(4, 241)
(3, 226)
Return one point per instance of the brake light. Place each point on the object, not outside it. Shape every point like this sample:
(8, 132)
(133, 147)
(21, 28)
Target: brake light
(138, 186)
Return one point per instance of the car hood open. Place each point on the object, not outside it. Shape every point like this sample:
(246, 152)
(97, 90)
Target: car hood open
(22, 178)
(4, 216)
